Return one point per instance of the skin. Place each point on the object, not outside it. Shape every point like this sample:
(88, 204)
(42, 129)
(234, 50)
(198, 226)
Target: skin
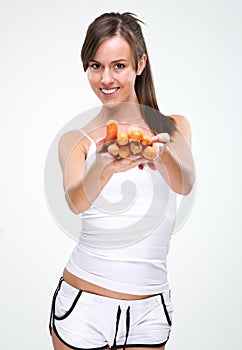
(112, 69)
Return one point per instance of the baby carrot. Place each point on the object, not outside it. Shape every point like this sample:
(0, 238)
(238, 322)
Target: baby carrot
(135, 133)
(111, 130)
(149, 152)
(123, 138)
(124, 151)
(135, 147)
(146, 140)
(113, 149)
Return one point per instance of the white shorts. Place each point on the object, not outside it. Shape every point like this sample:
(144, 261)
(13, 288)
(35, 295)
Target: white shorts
(83, 320)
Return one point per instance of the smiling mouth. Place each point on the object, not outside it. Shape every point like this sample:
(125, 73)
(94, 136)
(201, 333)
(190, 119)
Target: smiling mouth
(109, 91)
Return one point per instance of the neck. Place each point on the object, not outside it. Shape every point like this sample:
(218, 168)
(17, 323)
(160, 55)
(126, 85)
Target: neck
(122, 112)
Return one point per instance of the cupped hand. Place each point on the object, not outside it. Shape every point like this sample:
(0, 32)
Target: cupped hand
(122, 164)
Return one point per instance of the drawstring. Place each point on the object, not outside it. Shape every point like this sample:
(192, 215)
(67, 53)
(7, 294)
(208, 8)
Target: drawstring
(114, 346)
(127, 326)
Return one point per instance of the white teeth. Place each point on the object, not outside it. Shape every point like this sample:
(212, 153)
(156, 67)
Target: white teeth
(110, 91)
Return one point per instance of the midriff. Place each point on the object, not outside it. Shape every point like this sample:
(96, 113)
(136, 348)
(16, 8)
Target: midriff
(86, 286)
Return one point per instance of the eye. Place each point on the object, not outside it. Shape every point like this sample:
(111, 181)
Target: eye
(95, 66)
(120, 65)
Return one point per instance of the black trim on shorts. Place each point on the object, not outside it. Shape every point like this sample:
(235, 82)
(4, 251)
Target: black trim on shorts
(59, 318)
(53, 317)
(73, 347)
(165, 310)
(143, 345)
(53, 328)
(53, 304)
(107, 346)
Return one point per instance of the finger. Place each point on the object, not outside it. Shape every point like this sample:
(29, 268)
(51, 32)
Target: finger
(159, 146)
(162, 137)
(106, 155)
(100, 144)
(136, 158)
(100, 141)
(152, 166)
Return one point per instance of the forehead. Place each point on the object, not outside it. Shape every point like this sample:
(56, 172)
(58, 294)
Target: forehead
(113, 48)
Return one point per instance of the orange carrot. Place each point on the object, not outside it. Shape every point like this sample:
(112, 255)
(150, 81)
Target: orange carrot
(111, 130)
(135, 133)
(123, 138)
(135, 147)
(113, 149)
(146, 140)
(149, 152)
(124, 151)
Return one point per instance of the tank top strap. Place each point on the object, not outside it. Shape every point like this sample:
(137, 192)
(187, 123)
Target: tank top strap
(87, 136)
(92, 148)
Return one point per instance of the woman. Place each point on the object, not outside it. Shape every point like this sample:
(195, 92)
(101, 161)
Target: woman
(114, 291)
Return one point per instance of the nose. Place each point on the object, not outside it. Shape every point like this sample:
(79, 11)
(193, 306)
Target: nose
(107, 76)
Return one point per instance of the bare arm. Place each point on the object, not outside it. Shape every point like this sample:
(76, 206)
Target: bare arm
(83, 186)
(175, 162)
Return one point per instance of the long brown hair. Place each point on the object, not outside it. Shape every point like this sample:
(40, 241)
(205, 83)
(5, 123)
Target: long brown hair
(128, 26)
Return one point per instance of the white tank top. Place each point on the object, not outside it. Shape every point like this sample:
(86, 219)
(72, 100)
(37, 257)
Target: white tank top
(126, 233)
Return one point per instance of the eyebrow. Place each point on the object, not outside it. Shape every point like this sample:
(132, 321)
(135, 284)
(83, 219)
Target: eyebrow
(115, 61)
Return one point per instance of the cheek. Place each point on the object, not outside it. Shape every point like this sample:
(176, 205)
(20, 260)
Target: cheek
(130, 78)
(127, 76)
(92, 78)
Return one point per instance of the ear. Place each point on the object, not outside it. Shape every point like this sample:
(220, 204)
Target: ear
(141, 64)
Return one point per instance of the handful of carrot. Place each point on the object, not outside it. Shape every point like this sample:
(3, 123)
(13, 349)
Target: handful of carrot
(121, 145)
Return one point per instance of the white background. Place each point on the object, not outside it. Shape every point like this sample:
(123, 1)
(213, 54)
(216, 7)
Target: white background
(195, 49)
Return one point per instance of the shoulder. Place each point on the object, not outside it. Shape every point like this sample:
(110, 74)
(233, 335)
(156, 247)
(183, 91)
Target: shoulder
(71, 136)
(72, 142)
(71, 139)
(183, 126)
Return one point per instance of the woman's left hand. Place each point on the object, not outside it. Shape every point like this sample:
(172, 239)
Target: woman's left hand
(159, 142)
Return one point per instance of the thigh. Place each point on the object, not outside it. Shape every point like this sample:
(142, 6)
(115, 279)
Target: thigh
(57, 344)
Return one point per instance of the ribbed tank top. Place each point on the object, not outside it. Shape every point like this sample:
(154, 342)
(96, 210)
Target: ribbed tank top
(125, 235)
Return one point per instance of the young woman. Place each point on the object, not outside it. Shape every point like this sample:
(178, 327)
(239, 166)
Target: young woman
(114, 292)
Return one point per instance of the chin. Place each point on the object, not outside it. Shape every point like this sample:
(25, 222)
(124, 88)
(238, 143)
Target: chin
(111, 105)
